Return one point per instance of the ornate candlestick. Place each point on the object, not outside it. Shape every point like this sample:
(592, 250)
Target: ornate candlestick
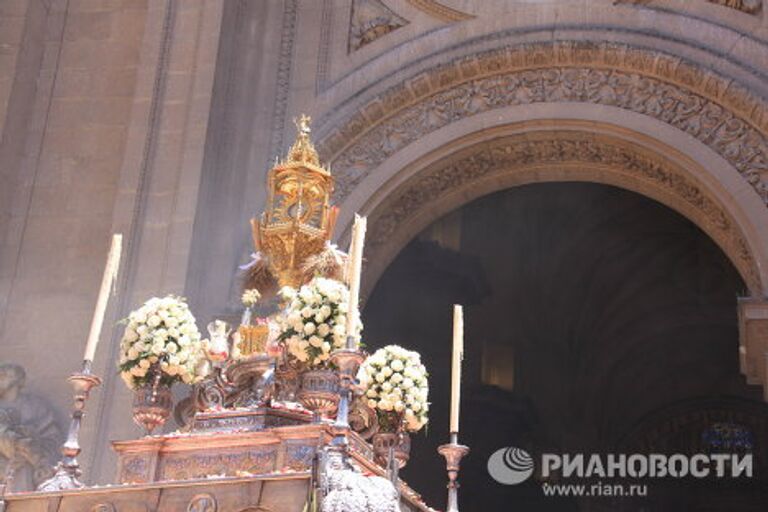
(348, 361)
(68, 469)
(453, 453)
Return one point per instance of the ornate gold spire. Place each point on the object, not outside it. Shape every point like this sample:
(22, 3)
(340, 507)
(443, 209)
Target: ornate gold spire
(303, 151)
(298, 219)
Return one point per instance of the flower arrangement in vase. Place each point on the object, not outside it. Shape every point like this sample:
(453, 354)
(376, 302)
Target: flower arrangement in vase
(394, 383)
(161, 345)
(313, 323)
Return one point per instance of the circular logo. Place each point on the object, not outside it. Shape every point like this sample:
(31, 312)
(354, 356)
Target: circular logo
(510, 466)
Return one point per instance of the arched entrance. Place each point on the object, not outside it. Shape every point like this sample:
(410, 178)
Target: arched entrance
(588, 309)
(544, 151)
(521, 145)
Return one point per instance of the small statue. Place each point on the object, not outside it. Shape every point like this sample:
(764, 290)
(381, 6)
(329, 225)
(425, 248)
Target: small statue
(29, 434)
(218, 346)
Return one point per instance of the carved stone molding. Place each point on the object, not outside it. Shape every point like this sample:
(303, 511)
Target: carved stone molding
(571, 154)
(717, 111)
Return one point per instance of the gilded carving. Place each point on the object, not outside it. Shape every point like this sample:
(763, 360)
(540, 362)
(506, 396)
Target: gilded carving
(200, 465)
(714, 110)
(512, 154)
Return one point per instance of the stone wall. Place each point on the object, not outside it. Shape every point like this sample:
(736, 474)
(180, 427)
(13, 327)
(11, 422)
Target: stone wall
(64, 137)
(108, 104)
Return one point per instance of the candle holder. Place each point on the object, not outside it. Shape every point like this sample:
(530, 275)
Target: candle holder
(453, 453)
(68, 469)
(348, 361)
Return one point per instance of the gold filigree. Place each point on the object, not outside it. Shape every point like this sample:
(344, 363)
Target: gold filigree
(253, 339)
(303, 151)
(299, 219)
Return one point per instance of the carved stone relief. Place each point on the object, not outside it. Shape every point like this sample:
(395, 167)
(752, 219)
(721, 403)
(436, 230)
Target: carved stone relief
(516, 154)
(29, 434)
(717, 111)
(371, 19)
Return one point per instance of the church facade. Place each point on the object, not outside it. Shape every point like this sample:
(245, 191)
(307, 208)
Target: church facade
(159, 119)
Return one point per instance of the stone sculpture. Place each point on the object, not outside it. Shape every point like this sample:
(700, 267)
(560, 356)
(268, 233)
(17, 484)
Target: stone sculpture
(29, 434)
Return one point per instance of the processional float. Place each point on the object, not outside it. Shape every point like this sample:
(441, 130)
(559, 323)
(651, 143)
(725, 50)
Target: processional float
(284, 397)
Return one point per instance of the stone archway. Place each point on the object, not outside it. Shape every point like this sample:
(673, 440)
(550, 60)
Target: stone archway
(537, 152)
(716, 110)
(633, 88)
(550, 150)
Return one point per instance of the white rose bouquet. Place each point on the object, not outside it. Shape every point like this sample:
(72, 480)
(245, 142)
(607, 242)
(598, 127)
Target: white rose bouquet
(162, 332)
(395, 384)
(314, 321)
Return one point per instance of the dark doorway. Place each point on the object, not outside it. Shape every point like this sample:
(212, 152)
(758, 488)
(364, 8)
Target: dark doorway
(588, 310)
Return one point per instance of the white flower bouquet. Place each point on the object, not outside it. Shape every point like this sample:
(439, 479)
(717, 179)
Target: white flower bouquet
(395, 384)
(162, 334)
(314, 321)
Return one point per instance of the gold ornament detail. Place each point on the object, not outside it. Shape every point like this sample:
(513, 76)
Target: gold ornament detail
(253, 339)
(299, 219)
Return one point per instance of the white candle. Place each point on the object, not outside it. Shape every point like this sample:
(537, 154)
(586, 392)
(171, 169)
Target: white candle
(355, 267)
(458, 355)
(110, 273)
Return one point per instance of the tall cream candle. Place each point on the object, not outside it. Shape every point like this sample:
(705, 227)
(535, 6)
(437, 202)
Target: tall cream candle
(110, 273)
(458, 355)
(355, 268)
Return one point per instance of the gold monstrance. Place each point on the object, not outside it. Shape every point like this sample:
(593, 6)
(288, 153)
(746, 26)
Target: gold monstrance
(298, 219)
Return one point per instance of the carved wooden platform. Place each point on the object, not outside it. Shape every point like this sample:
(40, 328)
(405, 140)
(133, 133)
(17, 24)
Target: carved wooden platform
(208, 454)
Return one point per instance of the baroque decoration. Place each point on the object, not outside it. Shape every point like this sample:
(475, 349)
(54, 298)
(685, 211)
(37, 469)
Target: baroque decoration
(512, 157)
(716, 110)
